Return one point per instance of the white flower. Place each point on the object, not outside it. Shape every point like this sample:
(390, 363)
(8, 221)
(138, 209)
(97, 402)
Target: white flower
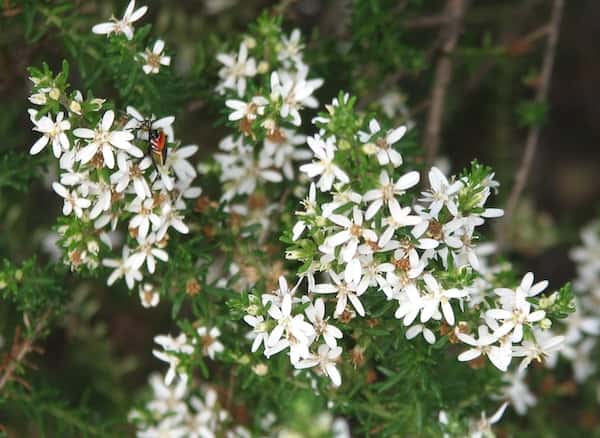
(436, 296)
(103, 140)
(121, 268)
(325, 359)
(410, 302)
(148, 253)
(284, 151)
(538, 349)
(209, 339)
(236, 70)
(387, 192)
(295, 93)
(325, 153)
(103, 193)
(124, 25)
(154, 58)
(383, 146)
(131, 172)
(148, 295)
(246, 110)
(310, 206)
(514, 318)
(517, 392)
(291, 48)
(315, 313)
(372, 271)
(143, 216)
(288, 324)
(72, 201)
(168, 399)
(351, 235)
(260, 333)
(441, 193)
(170, 218)
(52, 131)
(500, 356)
(482, 428)
(344, 291)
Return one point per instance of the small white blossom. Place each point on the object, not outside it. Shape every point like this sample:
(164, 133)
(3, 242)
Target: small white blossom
(124, 25)
(154, 58)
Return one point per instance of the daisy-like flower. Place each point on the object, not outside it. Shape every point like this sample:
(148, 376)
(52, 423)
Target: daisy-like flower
(73, 202)
(296, 93)
(526, 288)
(537, 349)
(246, 110)
(122, 269)
(515, 317)
(325, 359)
(325, 152)
(259, 333)
(437, 296)
(344, 291)
(316, 315)
(124, 25)
(144, 216)
(167, 399)
(517, 392)
(148, 295)
(500, 356)
(351, 235)
(288, 324)
(387, 192)
(383, 147)
(291, 48)
(210, 341)
(171, 218)
(132, 173)
(402, 218)
(147, 252)
(52, 132)
(154, 58)
(104, 140)
(441, 193)
(235, 70)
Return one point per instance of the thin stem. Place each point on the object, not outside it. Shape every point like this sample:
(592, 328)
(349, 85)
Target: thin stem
(455, 9)
(534, 133)
(20, 349)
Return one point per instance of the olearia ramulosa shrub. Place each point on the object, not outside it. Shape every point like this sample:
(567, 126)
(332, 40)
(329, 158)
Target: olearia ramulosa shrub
(323, 281)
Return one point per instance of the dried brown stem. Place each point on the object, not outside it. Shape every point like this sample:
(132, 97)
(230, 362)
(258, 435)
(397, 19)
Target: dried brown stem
(534, 133)
(455, 9)
(19, 350)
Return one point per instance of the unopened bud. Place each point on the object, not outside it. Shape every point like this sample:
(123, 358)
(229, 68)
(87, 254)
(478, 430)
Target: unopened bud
(54, 93)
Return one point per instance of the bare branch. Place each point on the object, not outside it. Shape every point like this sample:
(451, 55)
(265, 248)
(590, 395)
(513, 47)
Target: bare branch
(534, 133)
(442, 77)
(19, 350)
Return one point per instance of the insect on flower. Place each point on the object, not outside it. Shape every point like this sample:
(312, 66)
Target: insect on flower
(158, 147)
(152, 131)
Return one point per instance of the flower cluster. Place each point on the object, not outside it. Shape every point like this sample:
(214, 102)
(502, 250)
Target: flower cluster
(152, 59)
(123, 177)
(264, 97)
(365, 236)
(176, 411)
(174, 348)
